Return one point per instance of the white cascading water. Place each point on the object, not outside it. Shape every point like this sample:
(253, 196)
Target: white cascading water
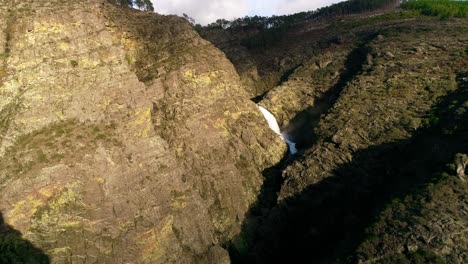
(273, 124)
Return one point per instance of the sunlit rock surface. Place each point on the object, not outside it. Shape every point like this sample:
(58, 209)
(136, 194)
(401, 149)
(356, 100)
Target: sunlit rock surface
(124, 136)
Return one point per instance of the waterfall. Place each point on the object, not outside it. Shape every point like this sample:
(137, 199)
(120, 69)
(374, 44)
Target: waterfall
(273, 124)
(271, 120)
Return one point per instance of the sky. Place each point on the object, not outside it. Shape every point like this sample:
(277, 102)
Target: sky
(207, 11)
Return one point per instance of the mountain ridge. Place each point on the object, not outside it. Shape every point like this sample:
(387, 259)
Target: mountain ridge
(132, 137)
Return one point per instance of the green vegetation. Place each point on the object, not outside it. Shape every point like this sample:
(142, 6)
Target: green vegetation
(3, 56)
(265, 38)
(7, 114)
(398, 15)
(340, 9)
(437, 199)
(273, 29)
(15, 249)
(441, 8)
(398, 76)
(41, 156)
(145, 5)
(74, 63)
(355, 7)
(54, 143)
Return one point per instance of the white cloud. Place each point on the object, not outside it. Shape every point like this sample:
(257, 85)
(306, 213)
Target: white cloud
(208, 11)
(262, 7)
(284, 7)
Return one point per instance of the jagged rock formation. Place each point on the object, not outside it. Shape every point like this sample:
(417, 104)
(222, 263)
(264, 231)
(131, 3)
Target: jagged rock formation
(358, 96)
(124, 136)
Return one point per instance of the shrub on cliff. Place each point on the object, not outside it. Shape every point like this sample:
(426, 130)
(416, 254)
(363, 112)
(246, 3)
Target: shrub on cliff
(145, 5)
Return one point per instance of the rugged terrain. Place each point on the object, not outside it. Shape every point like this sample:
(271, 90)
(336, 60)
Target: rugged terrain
(125, 137)
(377, 104)
(129, 137)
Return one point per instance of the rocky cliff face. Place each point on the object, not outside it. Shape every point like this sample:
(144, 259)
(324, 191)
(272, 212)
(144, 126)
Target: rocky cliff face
(376, 104)
(124, 136)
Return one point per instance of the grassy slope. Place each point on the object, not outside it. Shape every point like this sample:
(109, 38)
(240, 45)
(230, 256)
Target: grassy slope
(441, 8)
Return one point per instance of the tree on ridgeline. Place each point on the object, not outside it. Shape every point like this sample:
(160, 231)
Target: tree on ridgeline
(189, 18)
(145, 5)
(340, 9)
(127, 3)
(274, 28)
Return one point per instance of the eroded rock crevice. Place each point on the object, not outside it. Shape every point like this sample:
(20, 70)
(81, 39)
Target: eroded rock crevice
(126, 147)
(352, 109)
(126, 137)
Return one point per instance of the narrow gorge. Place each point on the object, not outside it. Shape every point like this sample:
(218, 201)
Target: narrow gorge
(127, 136)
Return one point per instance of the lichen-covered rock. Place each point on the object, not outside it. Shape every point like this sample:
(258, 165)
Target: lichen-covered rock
(359, 95)
(428, 224)
(124, 136)
(375, 100)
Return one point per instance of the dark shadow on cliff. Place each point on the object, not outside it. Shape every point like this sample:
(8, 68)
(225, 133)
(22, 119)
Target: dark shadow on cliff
(326, 222)
(239, 247)
(301, 127)
(301, 131)
(14, 249)
(284, 78)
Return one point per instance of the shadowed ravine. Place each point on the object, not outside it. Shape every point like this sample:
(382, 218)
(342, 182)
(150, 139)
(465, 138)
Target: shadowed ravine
(15, 249)
(128, 136)
(327, 221)
(302, 127)
(300, 130)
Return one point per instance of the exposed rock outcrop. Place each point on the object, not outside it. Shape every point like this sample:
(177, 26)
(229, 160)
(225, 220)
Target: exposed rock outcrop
(358, 95)
(124, 136)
